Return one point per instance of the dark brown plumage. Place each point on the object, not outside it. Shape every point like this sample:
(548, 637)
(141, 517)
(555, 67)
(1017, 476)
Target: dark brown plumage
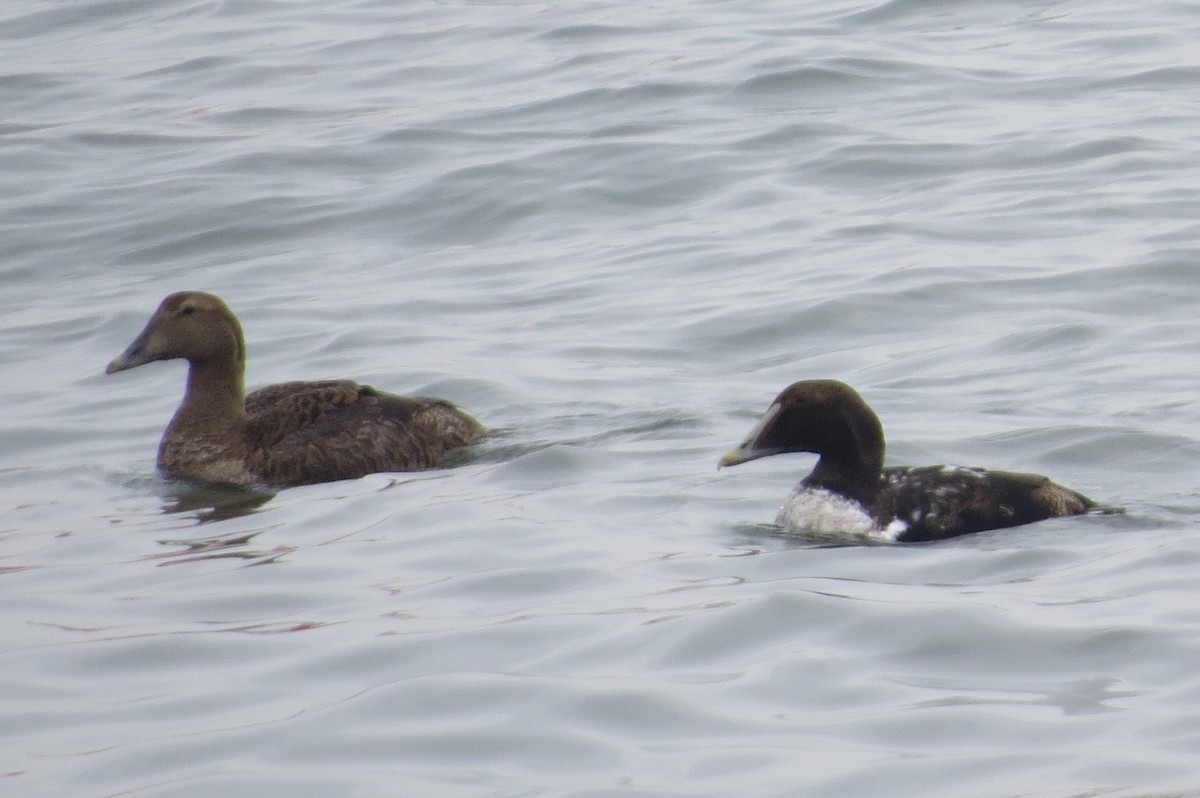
(849, 486)
(293, 433)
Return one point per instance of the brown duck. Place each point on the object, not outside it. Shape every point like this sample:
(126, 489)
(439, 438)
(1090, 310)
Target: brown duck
(850, 494)
(294, 433)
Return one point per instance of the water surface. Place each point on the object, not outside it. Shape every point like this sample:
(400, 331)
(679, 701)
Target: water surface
(614, 232)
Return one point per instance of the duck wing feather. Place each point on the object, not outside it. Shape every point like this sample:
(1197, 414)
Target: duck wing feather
(938, 501)
(306, 432)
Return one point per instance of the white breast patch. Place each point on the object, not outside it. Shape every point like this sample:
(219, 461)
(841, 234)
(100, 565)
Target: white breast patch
(816, 511)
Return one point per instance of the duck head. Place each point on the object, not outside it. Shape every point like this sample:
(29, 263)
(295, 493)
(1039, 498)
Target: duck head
(193, 325)
(825, 417)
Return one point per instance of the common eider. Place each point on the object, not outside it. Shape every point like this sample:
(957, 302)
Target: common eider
(293, 433)
(850, 494)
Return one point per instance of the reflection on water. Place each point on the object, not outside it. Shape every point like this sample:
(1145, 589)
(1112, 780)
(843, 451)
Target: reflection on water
(213, 502)
(209, 503)
(219, 548)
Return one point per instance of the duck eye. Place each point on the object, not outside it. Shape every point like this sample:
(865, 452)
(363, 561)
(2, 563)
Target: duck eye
(187, 310)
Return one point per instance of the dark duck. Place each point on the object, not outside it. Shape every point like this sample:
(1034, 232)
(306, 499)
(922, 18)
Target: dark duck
(293, 433)
(850, 494)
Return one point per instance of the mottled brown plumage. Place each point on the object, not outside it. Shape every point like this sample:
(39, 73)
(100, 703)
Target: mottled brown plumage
(293, 433)
(830, 419)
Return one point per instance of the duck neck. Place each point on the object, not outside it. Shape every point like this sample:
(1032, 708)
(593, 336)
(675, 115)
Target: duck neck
(215, 398)
(853, 468)
(854, 480)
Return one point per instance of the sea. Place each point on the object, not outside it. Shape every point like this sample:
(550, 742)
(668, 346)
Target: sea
(613, 232)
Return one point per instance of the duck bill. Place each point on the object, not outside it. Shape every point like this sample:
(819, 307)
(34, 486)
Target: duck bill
(138, 353)
(749, 449)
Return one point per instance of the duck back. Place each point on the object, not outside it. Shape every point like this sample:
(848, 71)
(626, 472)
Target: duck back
(305, 432)
(934, 502)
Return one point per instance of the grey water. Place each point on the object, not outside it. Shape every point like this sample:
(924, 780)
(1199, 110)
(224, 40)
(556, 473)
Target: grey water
(614, 232)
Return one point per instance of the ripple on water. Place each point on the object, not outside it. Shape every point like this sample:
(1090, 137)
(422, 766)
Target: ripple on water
(615, 234)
